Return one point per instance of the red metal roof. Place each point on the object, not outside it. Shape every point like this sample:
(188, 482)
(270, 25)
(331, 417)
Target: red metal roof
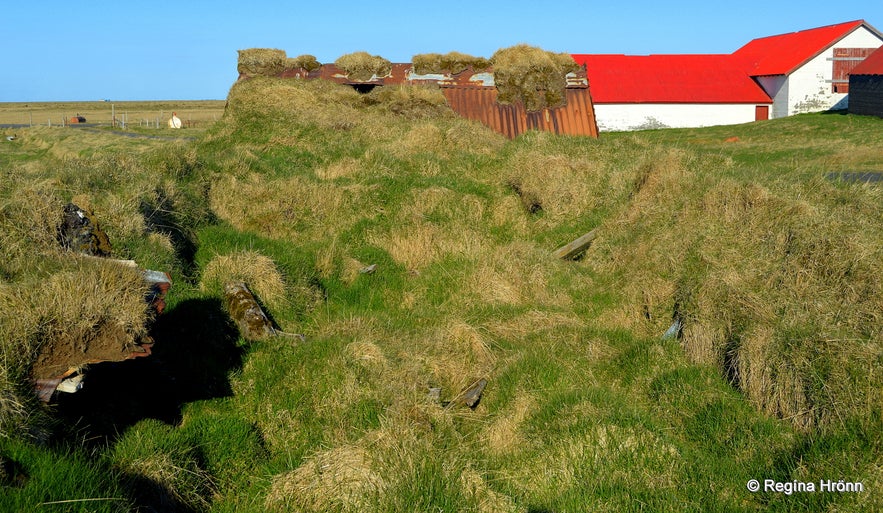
(784, 53)
(872, 65)
(669, 79)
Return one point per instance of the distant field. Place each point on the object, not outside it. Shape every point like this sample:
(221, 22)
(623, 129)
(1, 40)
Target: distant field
(136, 113)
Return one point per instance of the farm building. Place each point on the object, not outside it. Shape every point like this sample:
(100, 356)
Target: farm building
(866, 86)
(808, 71)
(633, 92)
(770, 77)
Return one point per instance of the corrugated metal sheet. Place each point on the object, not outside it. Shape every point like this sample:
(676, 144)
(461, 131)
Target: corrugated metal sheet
(577, 117)
(474, 96)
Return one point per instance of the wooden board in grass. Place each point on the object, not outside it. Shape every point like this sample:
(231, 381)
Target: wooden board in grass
(573, 249)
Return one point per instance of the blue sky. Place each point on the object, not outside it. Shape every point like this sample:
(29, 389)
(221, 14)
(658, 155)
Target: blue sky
(90, 50)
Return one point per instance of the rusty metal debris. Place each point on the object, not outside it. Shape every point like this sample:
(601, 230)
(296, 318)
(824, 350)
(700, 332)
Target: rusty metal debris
(244, 309)
(79, 232)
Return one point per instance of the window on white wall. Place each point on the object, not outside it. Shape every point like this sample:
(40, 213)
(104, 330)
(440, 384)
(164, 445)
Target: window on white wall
(845, 60)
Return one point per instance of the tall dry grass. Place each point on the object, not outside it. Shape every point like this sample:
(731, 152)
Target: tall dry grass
(294, 208)
(258, 271)
(451, 62)
(61, 309)
(266, 62)
(777, 287)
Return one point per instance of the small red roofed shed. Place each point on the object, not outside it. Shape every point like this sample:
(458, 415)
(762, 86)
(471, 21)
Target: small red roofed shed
(866, 86)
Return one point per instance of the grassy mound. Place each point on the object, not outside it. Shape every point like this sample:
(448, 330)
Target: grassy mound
(306, 61)
(60, 308)
(776, 286)
(451, 62)
(361, 66)
(532, 76)
(261, 62)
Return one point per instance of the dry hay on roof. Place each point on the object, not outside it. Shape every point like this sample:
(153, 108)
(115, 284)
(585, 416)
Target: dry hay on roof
(306, 61)
(362, 66)
(266, 62)
(451, 62)
(532, 76)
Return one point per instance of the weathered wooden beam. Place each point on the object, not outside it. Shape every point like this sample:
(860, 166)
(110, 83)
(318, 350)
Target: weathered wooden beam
(573, 249)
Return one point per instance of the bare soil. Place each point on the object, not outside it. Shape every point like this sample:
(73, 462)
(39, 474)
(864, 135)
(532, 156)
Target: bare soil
(105, 343)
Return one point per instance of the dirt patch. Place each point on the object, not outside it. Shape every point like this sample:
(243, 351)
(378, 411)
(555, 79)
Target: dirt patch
(106, 342)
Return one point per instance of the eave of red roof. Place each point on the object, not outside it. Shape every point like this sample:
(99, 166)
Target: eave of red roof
(696, 78)
(872, 65)
(784, 53)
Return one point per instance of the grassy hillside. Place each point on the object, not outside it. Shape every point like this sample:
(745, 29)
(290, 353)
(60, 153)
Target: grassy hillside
(770, 270)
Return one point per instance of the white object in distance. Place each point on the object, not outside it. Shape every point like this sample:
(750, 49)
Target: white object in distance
(174, 121)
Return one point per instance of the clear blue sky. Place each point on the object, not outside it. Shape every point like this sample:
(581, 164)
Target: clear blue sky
(121, 50)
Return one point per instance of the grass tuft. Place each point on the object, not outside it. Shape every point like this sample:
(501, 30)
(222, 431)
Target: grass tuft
(362, 66)
(531, 76)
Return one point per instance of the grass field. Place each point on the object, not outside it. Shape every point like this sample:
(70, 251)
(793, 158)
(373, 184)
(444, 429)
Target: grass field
(770, 269)
(137, 114)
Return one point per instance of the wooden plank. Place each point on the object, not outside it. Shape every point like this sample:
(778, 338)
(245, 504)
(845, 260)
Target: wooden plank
(571, 250)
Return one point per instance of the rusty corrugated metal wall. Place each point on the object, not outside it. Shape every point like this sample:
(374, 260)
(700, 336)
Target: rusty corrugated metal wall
(474, 96)
(576, 117)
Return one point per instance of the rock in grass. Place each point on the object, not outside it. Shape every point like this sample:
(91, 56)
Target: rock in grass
(79, 231)
(244, 309)
(470, 396)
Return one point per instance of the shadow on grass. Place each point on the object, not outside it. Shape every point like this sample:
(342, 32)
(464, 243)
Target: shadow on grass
(160, 217)
(195, 350)
(154, 497)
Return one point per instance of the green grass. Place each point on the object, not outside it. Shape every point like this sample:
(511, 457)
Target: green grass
(770, 267)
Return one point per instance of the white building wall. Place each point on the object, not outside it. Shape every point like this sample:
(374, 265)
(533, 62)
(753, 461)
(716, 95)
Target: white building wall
(777, 87)
(641, 116)
(809, 89)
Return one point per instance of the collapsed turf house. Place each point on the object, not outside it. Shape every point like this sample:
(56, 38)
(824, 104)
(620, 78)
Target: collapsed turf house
(769, 77)
(471, 91)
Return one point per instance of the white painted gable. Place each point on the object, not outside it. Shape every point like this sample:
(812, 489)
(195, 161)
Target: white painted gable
(808, 89)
